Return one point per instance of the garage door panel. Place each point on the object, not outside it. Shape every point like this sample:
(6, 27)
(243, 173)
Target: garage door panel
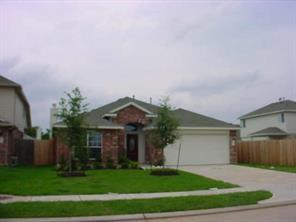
(199, 149)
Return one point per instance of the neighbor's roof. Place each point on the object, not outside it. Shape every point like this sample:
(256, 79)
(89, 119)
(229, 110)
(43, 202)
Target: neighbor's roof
(186, 118)
(7, 82)
(270, 131)
(4, 82)
(282, 106)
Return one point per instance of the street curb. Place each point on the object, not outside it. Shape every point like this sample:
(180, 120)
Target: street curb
(130, 217)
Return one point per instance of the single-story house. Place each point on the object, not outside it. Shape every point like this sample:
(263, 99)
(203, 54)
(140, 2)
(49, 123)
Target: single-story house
(273, 121)
(122, 128)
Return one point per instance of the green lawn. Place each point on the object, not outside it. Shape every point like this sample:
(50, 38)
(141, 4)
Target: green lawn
(288, 169)
(116, 207)
(44, 181)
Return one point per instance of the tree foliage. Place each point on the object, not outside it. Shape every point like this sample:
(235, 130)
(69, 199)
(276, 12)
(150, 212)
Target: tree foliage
(46, 135)
(71, 112)
(32, 132)
(165, 131)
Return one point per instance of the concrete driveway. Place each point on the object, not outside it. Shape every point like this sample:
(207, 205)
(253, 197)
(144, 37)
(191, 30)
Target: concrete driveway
(281, 184)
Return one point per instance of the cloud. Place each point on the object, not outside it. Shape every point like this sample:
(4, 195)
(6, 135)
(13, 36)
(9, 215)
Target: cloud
(216, 85)
(6, 64)
(218, 58)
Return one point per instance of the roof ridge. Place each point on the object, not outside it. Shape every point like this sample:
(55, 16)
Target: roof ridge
(4, 79)
(272, 107)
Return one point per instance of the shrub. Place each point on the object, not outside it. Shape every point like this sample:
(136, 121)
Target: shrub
(159, 162)
(62, 164)
(134, 165)
(164, 172)
(124, 162)
(110, 163)
(13, 161)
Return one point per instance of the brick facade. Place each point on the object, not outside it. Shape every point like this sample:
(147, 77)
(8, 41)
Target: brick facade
(131, 114)
(7, 147)
(113, 140)
(134, 115)
(232, 144)
(3, 146)
(62, 150)
(152, 155)
(110, 145)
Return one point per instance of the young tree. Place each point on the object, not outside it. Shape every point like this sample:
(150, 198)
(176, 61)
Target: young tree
(45, 135)
(165, 131)
(70, 112)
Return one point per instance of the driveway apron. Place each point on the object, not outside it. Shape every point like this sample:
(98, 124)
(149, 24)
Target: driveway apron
(281, 184)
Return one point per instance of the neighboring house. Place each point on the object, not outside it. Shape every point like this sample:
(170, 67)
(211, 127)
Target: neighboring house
(14, 116)
(274, 121)
(122, 128)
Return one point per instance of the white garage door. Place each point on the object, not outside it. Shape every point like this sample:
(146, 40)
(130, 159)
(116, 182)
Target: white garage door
(199, 149)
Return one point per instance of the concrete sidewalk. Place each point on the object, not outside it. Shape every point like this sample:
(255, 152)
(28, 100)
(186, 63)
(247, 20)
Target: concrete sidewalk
(114, 196)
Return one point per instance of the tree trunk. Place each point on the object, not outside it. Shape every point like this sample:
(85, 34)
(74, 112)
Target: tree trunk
(162, 156)
(70, 161)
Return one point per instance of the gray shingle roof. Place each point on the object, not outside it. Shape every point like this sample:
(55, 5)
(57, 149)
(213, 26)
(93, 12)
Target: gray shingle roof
(286, 105)
(186, 118)
(191, 119)
(270, 131)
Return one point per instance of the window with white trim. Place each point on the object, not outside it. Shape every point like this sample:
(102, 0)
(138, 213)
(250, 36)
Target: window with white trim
(281, 117)
(94, 144)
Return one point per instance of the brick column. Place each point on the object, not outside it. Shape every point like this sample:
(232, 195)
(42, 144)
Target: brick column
(232, 144)
(110, 145)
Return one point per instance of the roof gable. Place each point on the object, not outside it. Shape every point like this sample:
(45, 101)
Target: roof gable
(7, 83)
(282, 106)
(270, 131)
(131, 104)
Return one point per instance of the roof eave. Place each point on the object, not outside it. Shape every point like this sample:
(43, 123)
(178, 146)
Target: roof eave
(268, 113)
(197, 128)
(91, 127)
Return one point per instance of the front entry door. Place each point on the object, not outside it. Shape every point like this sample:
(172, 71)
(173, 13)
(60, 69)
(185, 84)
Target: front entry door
(132, 147)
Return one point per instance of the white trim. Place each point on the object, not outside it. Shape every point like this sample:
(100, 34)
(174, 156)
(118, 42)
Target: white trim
(131, 104)
(93, 127)
(151, 115)
(268, 113)
(199, 128)
(87, 138)
(110, 115)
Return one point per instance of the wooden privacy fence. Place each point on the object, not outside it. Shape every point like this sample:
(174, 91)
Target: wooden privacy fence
(35, 152)
(272, 152)
(44, 152)
(24, 150)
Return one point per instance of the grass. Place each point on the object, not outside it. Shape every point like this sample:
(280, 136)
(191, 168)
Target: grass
(117, 207)
(27, 180)
(289, 169)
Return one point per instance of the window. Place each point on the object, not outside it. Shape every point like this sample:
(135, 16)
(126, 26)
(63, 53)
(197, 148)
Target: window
(282, 117)
(243, 123)
(94, 145)
(131, 127)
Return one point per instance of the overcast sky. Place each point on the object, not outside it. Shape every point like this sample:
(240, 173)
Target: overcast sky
(218, 58)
